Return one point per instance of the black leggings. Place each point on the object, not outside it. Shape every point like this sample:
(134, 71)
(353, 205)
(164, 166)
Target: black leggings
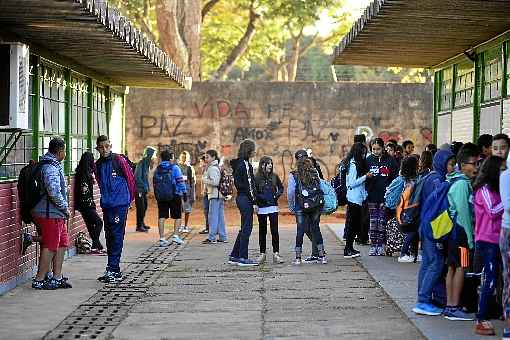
(273, 221)
(354, 222)
(94, 226)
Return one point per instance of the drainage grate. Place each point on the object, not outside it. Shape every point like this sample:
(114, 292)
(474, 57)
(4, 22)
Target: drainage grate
(98, 317)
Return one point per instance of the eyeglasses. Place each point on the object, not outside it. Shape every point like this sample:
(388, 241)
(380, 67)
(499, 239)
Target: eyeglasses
(472, 163)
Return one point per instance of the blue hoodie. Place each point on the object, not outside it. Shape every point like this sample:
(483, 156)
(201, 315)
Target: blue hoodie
(53, 203)
(437, 176)
(180, 185)
(142, 170)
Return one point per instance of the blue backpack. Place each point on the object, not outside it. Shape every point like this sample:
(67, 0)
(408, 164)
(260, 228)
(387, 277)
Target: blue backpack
(164, 184)
(330, 199)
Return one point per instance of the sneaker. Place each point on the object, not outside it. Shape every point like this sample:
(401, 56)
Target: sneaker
(323, 260)
(297, 261)
(372, 251)
(142, 230)
(484, 327)
(506, 334)
(311, 260)
(427, 309)
(48, 276)
(247, 263)
(62, 283)
(381, 251)
(177, 239)
(185, 229)
(43, 285)
(456, 314)
(146, 227)
(406, 259)
(261, 259)
(207, 241)
(110, 277)
(418, 258)
(204, 232)
(222, 241)
(233, 260)
(26, 241)
(277, 258)
(351, 253)
(164, 243)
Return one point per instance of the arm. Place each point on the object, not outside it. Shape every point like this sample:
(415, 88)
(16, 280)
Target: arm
(279, 187)
(128, 175)
(489, 205)
(180, 186)
(291, 192)
(353, 182)
(213, 176)
(51, 179)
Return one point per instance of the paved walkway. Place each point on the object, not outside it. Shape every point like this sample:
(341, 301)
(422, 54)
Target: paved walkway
(190, 292)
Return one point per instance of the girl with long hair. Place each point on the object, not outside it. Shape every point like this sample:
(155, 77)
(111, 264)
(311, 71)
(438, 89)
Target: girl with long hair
(409, 170)
(357, 173)
(384, 170)
(488, 218)
(269, 188)
(216, 213)
(84, 200)
(302, 184)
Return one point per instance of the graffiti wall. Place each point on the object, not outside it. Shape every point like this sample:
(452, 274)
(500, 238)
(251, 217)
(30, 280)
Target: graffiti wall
(280, 117)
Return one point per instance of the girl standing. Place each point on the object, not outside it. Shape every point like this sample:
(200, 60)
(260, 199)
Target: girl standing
(269, 189)
(84, 200)
(410, 173)
(488, 217)
(384, 170)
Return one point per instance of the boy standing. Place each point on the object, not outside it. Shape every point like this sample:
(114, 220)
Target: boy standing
(460, 240)
(188, 174)
(170, 192)
(50, 215)
(142, 187)
(117, 185)
(501, 145)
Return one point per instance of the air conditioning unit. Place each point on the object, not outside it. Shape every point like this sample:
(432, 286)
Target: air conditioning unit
(14, 77)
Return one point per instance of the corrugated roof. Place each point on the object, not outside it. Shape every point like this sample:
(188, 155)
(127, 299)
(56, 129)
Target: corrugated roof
(95, 35)
(421, 33)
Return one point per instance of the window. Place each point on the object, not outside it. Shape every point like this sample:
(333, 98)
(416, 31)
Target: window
(464, 85)
(79, 119)
(19, 156)
(99, 118)
(446, 89)
(52, 104)
(493, 74)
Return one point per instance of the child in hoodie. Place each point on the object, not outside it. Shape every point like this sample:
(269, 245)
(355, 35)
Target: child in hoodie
(432, 251)
(488, 215)
(460, 240)
(142, 187)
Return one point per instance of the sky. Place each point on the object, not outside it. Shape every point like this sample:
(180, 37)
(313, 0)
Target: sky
(355, 7)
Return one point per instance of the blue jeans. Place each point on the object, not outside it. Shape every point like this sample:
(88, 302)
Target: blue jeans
(410, 244)
(430, 269)
(491, 263)
(114, 229)
(245, 206)
(308, 223)
(216, 218)
(205, 202)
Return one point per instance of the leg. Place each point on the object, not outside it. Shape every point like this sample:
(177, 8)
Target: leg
(354, 217)
(117, 221)
(430, 270)
(458, 284)
(161, 228)
(504, 245)
(222, 230)
(206, 211)
(246, 226)
(213, 218)
(45, 261)
(145, 206)
(301, 227)
(58, 261)
(449, 286)
(373, 212)
(315, 229)
(275, 237)
(262, 232)
(140, 207)
(490, 253)
(186, 218)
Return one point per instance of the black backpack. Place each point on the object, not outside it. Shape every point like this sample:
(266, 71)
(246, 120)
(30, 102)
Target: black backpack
(30, 188)
(309, 197)
(339, 183)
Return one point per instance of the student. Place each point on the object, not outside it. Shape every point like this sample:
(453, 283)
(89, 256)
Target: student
(484, 143)
(170, 192)
(50, 215)
(432, 251)
(305, 179)
(188, 173)
(244, 181)
(488, 216)
(432, 148)
(408, 147)
(425, 163)
(384, 170)
(142, 187)
(501, 145)
(117, 186)
(211, 180)
(84, 200)
(504, 245)
(357, 174)
(269, 188)
(205, 200)
(409, 171)
(460, 240)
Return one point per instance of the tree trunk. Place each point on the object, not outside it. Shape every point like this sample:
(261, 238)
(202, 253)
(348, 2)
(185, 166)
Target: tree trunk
(241, 47)
(179, 25)
(294, 58)
(207, 7)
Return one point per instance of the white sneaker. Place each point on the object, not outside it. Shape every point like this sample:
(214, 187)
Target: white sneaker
(418, 258)
(261, 258)
(406, 259)
(177, 239)
(185, 229)
(164, 243)
(297, 262)
(277, 258)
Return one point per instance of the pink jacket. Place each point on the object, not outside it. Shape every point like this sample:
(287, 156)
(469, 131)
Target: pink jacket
(488, 215)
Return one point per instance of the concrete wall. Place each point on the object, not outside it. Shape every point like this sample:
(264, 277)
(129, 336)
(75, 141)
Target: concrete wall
(281, 117)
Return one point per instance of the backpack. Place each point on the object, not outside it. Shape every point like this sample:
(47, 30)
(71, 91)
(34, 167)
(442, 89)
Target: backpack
(339, 184)
(226, 186)
(164, 184)
(132, 165)
(30, 188)
(309, 198)
(436, 216)
(330, 200)
(408, 210)
(82, 243)
(393, 193)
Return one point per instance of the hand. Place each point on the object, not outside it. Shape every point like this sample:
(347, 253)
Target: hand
(370, 175)
(255, 208)
(185, 198)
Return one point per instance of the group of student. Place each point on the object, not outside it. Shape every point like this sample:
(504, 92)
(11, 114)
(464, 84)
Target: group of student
(453, 203)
